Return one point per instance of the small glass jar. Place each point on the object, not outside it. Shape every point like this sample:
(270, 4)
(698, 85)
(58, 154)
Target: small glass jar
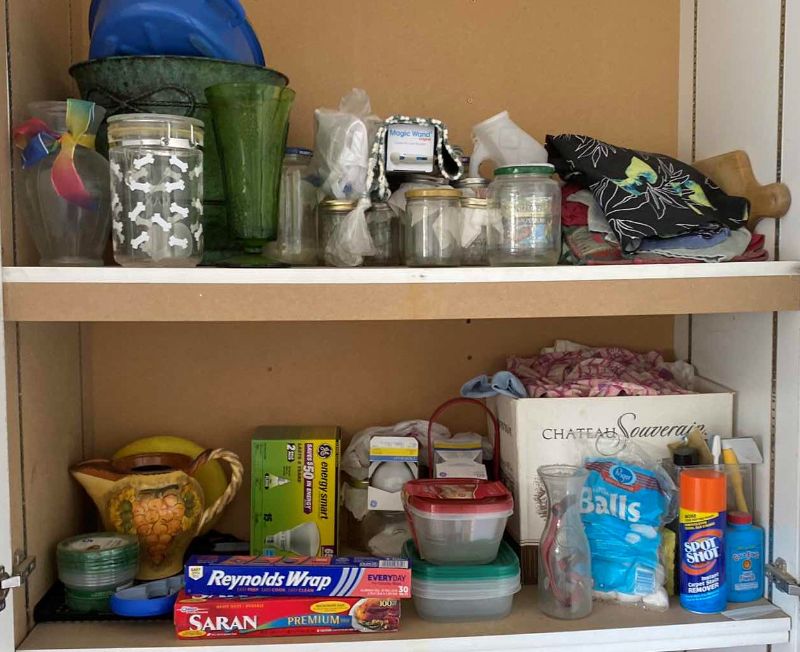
(473, 187)
(156, 189)
(384, 228)
(433, 227)
(474, 226)
(331, 214)
(526, 206)
(296, 243)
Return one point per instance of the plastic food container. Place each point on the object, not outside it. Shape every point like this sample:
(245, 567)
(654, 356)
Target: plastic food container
(457, 521)
(459, 593)
(93, 566)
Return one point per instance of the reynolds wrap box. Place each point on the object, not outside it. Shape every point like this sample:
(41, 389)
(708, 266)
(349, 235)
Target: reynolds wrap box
(294, 490)
(360, 577)
(207, 617)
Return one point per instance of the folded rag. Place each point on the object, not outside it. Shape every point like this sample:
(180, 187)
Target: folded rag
(503, 382)
(728, 249)
(604, 371)
(644, 195)
(700, 240)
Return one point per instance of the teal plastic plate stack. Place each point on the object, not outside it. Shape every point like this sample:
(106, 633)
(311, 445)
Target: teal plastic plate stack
(93, 566)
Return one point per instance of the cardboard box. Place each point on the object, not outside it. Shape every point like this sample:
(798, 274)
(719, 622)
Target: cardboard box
(392, 462)
(209, 617)
(294, 494)
(539, 431)
(361, 577)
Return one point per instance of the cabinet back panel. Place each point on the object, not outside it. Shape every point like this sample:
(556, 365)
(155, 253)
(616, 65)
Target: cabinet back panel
(215, 383)
(608, 69)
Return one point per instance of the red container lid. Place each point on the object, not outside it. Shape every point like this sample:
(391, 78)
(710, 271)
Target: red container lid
(739, 518)
(457, 496)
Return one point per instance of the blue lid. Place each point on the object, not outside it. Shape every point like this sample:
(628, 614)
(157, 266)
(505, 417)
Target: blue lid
(216, 29)
(147, 600)
(299, 151)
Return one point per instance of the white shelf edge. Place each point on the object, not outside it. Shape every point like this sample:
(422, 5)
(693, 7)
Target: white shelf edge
(389, 276)
(719, 634)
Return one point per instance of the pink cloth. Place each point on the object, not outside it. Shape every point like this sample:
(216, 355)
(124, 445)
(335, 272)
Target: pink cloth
(595, 372)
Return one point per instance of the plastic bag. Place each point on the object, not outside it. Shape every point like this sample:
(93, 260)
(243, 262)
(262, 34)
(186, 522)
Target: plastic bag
(342, 142)
(626, 500)
(351, 239)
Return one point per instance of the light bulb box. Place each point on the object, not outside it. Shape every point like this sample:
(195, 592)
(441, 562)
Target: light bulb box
(539, 431)
(294, 490)
(393, 461)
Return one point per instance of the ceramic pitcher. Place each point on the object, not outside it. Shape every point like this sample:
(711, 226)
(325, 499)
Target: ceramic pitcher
(154, 496)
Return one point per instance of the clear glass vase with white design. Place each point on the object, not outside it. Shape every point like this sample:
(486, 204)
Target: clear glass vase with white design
(65, 233)
(156, 190)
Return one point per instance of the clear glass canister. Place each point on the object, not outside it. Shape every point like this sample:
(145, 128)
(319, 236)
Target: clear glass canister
(384, 228)
(296, 243)
(474, 225)
(433, 227)
(526, 207)
(331, 214)
(156, 189)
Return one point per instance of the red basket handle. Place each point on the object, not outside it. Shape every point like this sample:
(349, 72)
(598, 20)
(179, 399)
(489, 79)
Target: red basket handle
(455, 401)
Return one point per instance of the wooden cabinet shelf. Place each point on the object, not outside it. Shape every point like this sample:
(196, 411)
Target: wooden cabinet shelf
(609, 627)
(41, 294)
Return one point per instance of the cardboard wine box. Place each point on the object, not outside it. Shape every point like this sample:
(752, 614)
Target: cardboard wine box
(539, 431)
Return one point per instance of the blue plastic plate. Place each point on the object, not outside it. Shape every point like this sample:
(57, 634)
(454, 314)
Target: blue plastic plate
(217, 29)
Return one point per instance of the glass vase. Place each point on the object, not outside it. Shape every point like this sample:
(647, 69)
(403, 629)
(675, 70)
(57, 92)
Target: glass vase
(251, 122)
(565, 569)
(64, 233)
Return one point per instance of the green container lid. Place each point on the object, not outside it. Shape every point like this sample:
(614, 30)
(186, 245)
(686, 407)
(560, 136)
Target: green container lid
(98, 550)
(505, 566)
(540, 169)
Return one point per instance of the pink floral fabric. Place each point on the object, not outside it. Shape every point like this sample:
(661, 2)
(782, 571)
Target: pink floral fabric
(595, 372)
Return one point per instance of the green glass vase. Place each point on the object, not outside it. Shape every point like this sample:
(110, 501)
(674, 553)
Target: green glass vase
(251, 121)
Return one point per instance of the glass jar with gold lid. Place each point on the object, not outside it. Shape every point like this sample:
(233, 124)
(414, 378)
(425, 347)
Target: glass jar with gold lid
(331, 213)
(433, 227)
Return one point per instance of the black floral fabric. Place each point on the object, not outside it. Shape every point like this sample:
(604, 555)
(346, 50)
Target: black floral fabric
(645, 195)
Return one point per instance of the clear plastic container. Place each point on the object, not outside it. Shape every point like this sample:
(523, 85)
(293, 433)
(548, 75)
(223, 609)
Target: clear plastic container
(103, 560)
(156, 189)
(462, 593)
(457, 521)
(433, 227)
(296, 243)
(331, 214)
(527, 202)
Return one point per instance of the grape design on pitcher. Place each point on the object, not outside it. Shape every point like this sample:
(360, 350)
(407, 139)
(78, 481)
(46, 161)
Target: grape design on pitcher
(156, 516)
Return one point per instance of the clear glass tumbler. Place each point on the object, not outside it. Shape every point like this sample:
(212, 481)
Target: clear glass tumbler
(565, 565)
(251, 122)
(65, 233)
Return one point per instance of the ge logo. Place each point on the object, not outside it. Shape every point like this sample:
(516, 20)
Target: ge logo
(324, 451)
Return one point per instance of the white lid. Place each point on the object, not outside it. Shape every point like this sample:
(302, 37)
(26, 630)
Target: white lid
(479, 590)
